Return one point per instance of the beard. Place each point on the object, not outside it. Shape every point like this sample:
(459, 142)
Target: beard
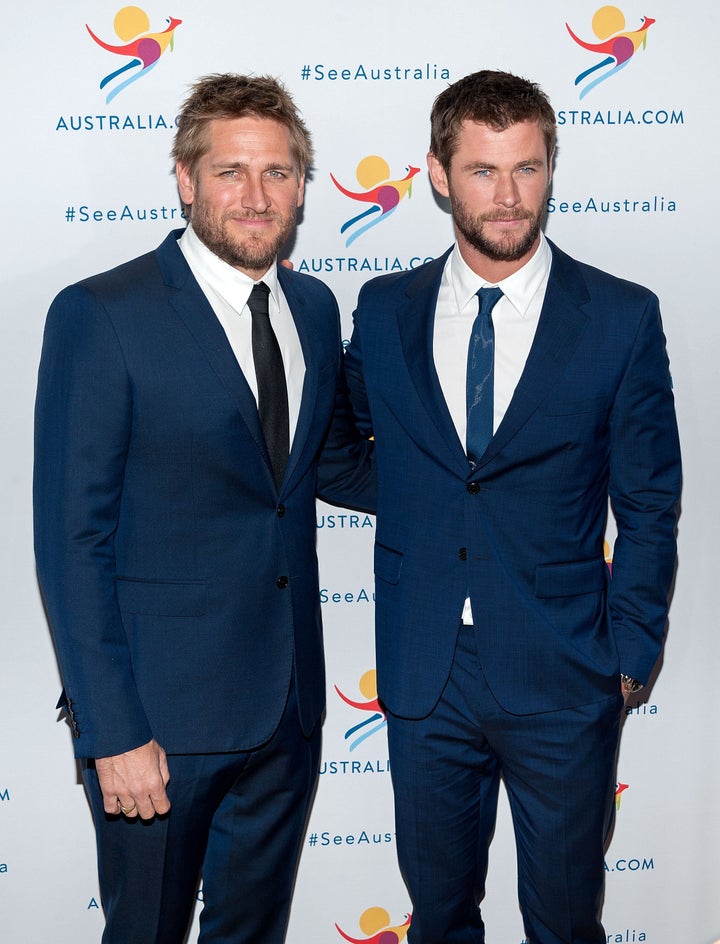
(508, 248)
(254, 253)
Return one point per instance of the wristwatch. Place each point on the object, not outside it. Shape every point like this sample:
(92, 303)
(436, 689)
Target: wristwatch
(630, 684)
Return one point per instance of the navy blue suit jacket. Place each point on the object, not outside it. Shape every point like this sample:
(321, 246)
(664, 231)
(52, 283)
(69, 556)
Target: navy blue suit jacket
(181, 587)
(522, 533)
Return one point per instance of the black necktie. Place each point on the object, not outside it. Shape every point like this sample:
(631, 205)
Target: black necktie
(480, 376)
(271, 385)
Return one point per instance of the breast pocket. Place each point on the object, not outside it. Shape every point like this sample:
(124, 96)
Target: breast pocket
(576, 421)
(561, 407)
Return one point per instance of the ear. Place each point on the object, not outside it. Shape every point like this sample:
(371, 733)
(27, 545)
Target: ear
(438, 177)
(301, 189)
(185, 182)
(551, 162)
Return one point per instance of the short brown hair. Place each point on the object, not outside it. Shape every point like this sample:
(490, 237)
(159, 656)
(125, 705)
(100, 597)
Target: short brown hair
(234, 96)
(496, 99)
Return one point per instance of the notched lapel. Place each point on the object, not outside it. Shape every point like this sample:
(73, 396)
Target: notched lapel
(312, 347)
(194, 309)
(561, 325)
(416, 320)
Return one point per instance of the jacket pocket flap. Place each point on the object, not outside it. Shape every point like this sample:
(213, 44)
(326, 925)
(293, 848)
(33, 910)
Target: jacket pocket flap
(161, 598)
(571, 580)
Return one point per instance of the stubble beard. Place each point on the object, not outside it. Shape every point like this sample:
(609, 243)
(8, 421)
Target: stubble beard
(253, 253)
(505, 249)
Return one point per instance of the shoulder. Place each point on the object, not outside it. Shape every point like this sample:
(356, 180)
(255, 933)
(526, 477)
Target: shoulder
(302, 283)
(423, 278)
(600, 285)
(117, 294)
(136, 276)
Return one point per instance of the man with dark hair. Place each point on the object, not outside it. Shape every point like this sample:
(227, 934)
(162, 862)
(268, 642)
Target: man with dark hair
(511, 390)
(189, 404)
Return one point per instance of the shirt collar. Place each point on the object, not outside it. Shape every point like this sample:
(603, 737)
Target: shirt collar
(230, 283)
(519, 288)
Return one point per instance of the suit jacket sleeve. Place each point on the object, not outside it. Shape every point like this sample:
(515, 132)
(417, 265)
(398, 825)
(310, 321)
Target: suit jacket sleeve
(645, 479)
(83, 420)
(346, 470)
(354, 377)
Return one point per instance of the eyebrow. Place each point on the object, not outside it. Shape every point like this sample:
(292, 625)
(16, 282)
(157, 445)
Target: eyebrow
(486, 165)
(242, 165)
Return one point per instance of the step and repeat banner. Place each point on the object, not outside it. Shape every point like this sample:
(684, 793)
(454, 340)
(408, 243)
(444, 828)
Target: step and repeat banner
(87, 183)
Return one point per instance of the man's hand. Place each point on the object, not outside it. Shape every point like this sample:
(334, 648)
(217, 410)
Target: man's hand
(134, 783)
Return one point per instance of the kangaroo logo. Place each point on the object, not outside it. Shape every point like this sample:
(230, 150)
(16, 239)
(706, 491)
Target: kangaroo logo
(616, 44)
(373, 175)
(376, 720)
(138, 44)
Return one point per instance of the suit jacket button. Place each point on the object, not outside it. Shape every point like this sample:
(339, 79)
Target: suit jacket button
(462, 553)
(473, 488)
(281, 582)
(281, 511)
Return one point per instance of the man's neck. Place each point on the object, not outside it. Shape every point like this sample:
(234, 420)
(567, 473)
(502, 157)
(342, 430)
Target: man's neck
(492, 270)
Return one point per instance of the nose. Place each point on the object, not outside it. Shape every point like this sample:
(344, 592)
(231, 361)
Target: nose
(506, 191)
(254, 196)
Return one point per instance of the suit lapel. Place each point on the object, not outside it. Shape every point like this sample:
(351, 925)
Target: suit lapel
(312, 355)
(416, 320)
(193, 308)
(560, 327)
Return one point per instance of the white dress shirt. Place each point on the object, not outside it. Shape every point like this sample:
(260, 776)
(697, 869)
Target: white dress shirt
(228, 290)
(515, 318)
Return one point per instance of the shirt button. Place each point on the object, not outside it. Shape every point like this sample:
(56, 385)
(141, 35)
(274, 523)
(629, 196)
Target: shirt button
(473, 488)
(281, 511)
(462, 553)
(281, 583)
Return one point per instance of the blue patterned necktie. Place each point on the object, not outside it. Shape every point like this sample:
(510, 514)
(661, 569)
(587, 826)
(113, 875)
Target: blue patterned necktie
(480, 376)
(270, 375)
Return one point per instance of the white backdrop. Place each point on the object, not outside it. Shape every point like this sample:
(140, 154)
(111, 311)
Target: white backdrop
(86, 184)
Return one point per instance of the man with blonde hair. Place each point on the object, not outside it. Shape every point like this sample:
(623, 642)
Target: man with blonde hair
(189, 404)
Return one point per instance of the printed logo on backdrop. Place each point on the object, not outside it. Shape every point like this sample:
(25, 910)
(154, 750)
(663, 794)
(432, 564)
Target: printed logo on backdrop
(136, 45)
(613, 43)
(614, 47)
(379, 197)
(374, 720)
(135, 50)
(376, 928)
(383, 194)
(368, 721)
